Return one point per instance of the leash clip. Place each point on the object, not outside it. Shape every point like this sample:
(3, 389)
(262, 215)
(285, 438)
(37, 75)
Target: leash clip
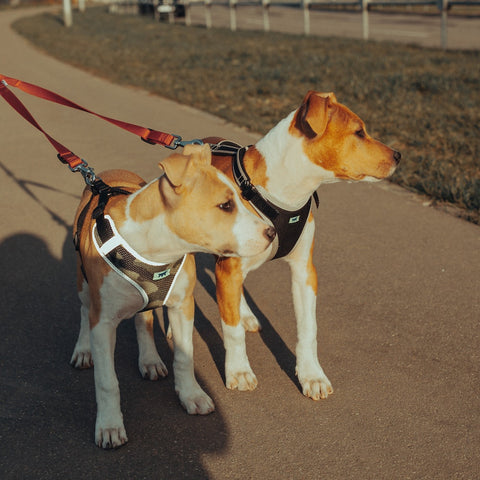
(79, 165)
(178, 142)
(87, 173)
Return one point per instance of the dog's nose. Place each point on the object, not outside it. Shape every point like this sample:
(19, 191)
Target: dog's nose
(270, 233)
(397, 156)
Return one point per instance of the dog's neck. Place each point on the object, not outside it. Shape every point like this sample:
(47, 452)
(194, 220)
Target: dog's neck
(140, 220)
(291, 176)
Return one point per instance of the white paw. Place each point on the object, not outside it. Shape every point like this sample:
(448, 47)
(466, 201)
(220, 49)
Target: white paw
(152, 367)
(316, 387)
(250, 323)
(81, 358)
(110, 437)
(196, 402)
(242, 381)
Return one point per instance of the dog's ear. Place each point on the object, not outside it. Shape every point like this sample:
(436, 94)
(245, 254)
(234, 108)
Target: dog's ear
(180, 169)
(175, 167)
(201, 154)
(313, 115)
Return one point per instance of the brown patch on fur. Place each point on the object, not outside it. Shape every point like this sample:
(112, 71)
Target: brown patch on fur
(205, 194)
(256, 167)
(228, 274)
(312, 279)
(336, 140)
(147, 207)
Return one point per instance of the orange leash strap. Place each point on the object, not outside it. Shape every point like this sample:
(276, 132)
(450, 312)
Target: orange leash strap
(146, 134)
(64, 154)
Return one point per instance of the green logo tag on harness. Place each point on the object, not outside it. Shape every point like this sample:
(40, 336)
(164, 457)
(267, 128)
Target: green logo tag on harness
(294, 219)
(161, 275)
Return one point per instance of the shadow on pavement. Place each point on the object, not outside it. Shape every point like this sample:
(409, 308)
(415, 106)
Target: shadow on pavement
(47, 408)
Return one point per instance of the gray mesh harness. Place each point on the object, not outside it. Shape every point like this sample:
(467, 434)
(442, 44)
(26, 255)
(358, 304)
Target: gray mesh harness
(154, 281)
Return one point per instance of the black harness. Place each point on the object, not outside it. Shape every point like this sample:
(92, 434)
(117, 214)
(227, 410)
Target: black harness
(289, 224)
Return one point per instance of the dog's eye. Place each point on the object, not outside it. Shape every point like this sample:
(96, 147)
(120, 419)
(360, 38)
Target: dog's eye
(227, 206)
(360, 133)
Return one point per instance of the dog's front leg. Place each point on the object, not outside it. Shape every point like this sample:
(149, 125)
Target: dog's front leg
(313, 380)
(191, 395)
(150, 364)
(109, 429)
(229, 278)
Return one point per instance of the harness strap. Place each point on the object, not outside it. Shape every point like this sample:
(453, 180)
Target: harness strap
(249, 192)
(98, 187)
(288, 224)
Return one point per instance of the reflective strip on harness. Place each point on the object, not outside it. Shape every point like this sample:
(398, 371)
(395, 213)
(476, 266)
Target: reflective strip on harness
(154, 281)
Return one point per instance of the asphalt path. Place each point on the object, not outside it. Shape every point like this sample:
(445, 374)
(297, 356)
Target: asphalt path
(398, 316)
(462, 32)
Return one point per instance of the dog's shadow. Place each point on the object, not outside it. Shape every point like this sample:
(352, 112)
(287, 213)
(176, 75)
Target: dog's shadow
(274, 342)
(47, 408)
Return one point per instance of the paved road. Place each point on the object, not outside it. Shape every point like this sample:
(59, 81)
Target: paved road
(398, 315)
(424, 30)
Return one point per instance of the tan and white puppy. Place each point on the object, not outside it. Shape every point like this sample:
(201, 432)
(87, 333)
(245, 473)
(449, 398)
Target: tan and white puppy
(320, 142)
(192, 207)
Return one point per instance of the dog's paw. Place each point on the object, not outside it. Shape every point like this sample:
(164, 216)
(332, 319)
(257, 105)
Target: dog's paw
(316, 388)
(152, 367)
(196, 402)
(242, 381)
(251, 324)
(81, 359)
(110, 437)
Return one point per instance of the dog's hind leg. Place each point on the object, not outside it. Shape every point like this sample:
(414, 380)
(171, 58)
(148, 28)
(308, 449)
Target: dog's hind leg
(82, 354)
(149, 362)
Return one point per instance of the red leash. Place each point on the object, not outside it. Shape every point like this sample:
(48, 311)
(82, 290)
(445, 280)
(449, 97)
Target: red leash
(65, 155)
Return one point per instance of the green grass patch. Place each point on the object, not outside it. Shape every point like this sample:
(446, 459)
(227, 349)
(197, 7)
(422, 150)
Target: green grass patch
(423, 102)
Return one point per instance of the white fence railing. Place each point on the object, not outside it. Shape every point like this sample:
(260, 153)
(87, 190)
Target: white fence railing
(168, 8)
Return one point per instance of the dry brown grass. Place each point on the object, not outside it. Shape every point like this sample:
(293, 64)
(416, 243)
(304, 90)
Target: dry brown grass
(424, 102)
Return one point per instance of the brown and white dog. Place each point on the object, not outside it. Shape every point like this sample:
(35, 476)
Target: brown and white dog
(320, 142)
(160, 222)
